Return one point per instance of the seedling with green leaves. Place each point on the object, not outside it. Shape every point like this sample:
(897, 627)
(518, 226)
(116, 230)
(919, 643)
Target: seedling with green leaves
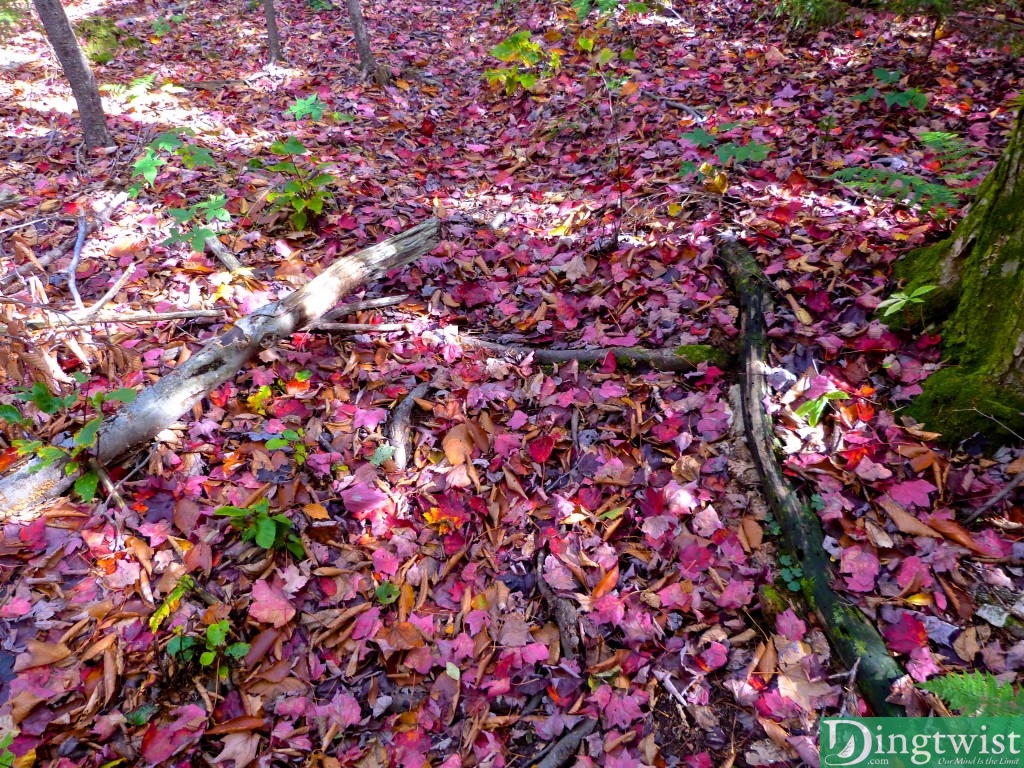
(910, 97)
(290, 439)
(306, 188)
(814, 409)
(83, 441)
(166, 145)
(899, 300)
(527, 61)
(790, 572)
(267, 530)
(212, 210)
(185, 648)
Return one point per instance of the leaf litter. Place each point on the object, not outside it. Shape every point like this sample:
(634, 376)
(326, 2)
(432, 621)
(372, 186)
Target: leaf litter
(419, 625)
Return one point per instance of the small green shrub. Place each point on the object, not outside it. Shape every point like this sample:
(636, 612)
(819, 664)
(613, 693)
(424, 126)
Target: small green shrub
(306, 187)
(184, 648)
(267, 530)
(803, 16)
(527, 62)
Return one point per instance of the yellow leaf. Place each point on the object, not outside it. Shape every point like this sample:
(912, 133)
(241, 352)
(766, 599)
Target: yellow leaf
(630, 88)
(674, 209)
(405, 86)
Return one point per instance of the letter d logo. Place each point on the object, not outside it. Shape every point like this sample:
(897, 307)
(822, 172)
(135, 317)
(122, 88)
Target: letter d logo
(847, 753)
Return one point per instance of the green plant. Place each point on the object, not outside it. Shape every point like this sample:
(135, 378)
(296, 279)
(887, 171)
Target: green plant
(212, 210)
(977, 694)
(897, 301)
(320, 5)
(267, 530)
(814, 409)
(137, 89)
(291, 439)
(6, 756)
(810, 15)
(168, 144)
(184, 648)
(952, 159)
(911, 97)
(306, 189)
(905, 188)
(772, 525)
(11, 13)
(311, 106)
(162, 26)
(525, 57)
(84, 438)
(790, 573)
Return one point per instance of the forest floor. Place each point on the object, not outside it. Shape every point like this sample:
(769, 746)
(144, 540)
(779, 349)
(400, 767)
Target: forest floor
(408, 617)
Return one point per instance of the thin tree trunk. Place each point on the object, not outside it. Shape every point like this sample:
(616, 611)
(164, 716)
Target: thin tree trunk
(273, 37)
(76, 70)
(367, 62)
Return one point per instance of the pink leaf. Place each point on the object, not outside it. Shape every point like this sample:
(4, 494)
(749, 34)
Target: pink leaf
(269, 605)
(790, 626)
(912, 493)
(866, 469)
(906, 635)
(863, 568)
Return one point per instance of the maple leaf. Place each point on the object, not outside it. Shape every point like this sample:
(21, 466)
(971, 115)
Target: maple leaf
(907, 635)
(269, 605)
(863, 567)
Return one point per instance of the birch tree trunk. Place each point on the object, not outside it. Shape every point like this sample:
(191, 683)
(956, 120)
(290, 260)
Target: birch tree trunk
(76, 70)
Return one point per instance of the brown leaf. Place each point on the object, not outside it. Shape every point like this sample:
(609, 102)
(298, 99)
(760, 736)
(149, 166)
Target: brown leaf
(458, 445)
(905, 521)
(753, 532)
(238, 725)
(956, 533)
(41, 654)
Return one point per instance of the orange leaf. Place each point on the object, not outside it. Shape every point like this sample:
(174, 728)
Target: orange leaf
(606, 584)
(905, 521)
(316, 512)
(458, 445)
(39, 654)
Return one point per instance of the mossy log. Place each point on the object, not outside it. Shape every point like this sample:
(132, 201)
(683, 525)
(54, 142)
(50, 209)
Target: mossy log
(684, 359)
(851, 634)
(979, 279)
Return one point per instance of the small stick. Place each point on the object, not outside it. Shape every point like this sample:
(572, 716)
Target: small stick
(563, 750)
(73, 267)
(106, 297)
(997, 499)
(226, 257)
(357, 306)
(397, 431)
(359, 327)
(57, 321)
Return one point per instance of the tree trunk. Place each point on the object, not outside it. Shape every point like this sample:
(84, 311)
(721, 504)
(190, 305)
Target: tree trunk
(273, 37)
(979, 274)
(76, 70)
(367, 62)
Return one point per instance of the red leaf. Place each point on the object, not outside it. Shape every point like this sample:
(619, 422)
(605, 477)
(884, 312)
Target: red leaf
(540, 449)
(906, 636)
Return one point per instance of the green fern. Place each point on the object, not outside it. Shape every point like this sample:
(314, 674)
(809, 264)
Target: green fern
(977, 694)
(902, 187)
(138, 88)
(957, 158)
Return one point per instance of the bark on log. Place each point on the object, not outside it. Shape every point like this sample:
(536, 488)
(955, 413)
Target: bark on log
(161, 404)
(851, 634)
(684, 359)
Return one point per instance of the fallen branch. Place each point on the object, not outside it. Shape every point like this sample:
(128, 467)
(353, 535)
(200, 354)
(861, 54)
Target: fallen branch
(399, 428)
(564, 750)
(160, 405)
(684, 359)
(997, 499)
(566, 617)
(73, 266)
(850, 633)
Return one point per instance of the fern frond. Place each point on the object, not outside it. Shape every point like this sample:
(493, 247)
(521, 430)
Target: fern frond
(901, 187)
(957, 158)
(978, 694)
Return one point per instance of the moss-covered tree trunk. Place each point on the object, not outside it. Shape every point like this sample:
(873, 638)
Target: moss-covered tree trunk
(979, 300)
(76, 70)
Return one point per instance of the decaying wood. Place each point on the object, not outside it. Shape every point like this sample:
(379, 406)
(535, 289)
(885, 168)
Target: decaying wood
(160, 405)
(850, 633)
(564, 611)
(399, 428)
(675, 359)
(564, 750)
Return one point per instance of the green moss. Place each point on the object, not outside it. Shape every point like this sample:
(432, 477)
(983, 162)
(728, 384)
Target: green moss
(917, 269)
(100, 39)
(957, 403)
(703, 353)
(772, 601)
